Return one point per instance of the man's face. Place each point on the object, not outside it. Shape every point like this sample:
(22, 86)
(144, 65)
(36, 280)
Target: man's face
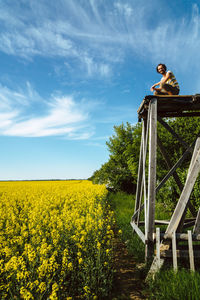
(161, 69)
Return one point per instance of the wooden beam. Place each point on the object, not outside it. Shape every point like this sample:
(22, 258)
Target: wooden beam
(180, 253)
(196, 149)
(190, 247)
(152, 179)
(196, 229)
(158, 246)
(173, 169)
(140, 175)
(138, 231)
(161, 121)
(183, 236)
(174, 254)
(181, 205)
(146, 133)
(178, 115)
(175, 175)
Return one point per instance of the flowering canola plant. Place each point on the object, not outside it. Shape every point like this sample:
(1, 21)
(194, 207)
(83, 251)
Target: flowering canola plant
(55, 240)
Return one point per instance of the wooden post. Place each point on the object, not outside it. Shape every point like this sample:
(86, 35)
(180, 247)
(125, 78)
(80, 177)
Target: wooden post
(158, 246)
(145, 130)
(197, 224)
(191, 254)
(152, 179)
(175, 265)
(139, 178)
(184, 198)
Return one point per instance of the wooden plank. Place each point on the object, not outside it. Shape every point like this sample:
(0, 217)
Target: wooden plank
(195, 151)
(174, 114)
(183, 236)
(175, 265)
(194, 156)
(161, 121)
(154, 269)
(158, 246)
(180, 254)
(139, 177)
(196, 229)
(146, 133)
(138, 231)
(136, 212)
(181, 205)
(152, 178)
(157, 222)
(191, 254)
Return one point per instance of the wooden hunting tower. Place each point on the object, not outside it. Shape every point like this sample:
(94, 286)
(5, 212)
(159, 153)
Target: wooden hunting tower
(151, 110)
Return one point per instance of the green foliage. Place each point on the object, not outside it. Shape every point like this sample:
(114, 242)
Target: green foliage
(188, 129)
(169, 285)
(120, 172)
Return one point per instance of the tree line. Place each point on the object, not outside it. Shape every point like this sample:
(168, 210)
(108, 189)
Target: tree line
(119, 173)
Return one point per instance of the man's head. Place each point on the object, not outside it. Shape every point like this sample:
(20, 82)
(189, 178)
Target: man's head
(161, 68)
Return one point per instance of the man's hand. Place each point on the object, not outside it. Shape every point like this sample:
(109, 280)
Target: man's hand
(152, 88)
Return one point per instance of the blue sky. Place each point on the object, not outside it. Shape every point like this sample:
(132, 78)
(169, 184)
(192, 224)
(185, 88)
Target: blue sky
(72, 69)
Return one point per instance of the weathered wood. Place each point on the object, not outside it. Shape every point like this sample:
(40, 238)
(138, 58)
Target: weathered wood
(179, 115)
(196, 229)
(139, 182)
(183, 236)
(157, 222)
(161, 121)
(154, 269)
(152, 178)
(179, 253)
(175, 265)
(138, 231)
(146, 133)
(190, 247)
(194, 156)
(195, 152)
(181, 205)
(175, 175)
(158, 246)
(172, 106)
(173, 169)
(139, 176)
(136, 212)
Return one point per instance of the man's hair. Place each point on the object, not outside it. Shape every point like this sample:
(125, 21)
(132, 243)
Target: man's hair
(163, 65)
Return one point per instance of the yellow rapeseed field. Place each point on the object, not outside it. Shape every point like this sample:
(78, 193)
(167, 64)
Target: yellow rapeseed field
(55, 240)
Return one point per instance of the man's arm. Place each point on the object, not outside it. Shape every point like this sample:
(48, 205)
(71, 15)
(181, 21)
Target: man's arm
(164, 79)
(153, 86)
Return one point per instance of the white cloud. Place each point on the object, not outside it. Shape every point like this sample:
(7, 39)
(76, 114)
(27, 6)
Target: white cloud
(102, 29)
(124, 8)
(62, 115)
(95, 68)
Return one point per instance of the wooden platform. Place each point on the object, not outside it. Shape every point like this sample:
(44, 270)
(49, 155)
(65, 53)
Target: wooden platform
(152, 110)
(172, 106)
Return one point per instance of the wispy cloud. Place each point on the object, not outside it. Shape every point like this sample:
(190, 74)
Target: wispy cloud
(98, 34)
(94, 37)
(61, 115)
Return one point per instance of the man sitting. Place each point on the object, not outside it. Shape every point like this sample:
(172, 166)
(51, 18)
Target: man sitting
(168, 83)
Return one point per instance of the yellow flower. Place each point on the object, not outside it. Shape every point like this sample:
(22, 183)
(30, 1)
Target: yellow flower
(80, 261)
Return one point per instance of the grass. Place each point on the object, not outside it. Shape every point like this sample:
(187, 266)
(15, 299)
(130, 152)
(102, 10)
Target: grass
(167, 284)
(180, 285)
(123, 207)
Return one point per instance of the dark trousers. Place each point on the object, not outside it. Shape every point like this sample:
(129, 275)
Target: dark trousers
(167, 88)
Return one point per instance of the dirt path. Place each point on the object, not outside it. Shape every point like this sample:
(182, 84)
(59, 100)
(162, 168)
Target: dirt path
(128, 281)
